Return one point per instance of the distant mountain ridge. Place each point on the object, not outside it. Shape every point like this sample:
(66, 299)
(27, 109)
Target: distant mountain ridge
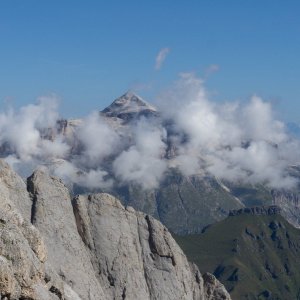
(257, 210)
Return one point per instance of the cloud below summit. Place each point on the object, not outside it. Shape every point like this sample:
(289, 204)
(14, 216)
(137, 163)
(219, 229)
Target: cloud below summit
(232, 141)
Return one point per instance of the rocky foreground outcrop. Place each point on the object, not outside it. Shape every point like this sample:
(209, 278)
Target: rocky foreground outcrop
(91, 247)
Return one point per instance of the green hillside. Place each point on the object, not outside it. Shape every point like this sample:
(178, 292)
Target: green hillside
(256, 256)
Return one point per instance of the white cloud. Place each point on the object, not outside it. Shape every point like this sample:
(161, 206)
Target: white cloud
(22, 130)
(143, 162)
(97, 139)
(232, 141)
(160, 58)
(92, 178)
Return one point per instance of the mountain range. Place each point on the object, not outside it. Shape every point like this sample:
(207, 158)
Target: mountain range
(244, 231)
(132, 151)
(184, 203)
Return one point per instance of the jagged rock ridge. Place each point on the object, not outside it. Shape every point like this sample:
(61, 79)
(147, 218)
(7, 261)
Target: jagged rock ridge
(89, 248)
(257, 210)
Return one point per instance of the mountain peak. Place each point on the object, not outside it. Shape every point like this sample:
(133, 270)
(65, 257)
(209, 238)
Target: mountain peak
(129, 106)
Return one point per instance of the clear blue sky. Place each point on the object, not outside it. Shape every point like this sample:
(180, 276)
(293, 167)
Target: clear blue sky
(90, 52)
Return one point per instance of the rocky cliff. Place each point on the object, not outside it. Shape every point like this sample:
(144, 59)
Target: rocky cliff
(91, 247)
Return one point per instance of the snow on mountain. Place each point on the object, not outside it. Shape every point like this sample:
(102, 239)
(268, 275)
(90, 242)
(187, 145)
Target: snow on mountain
(128, 106)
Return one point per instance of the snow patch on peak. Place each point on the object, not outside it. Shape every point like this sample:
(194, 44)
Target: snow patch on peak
(127, 106)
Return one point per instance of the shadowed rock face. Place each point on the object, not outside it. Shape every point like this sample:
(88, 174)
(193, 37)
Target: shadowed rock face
(257, 210)
(88, 248)
(184, 204)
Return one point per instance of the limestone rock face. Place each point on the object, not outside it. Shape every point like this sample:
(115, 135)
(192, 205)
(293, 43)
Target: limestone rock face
(22, 251)
(88, 248)
(137, 257)
(213, 289)
(52, 215)
(13, 190)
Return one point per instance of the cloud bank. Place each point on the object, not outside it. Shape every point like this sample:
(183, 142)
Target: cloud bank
(232, 141)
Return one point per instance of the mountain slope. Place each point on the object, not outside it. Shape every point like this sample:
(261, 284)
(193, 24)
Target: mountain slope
(255, 252)
(185, 204)
(89, 248)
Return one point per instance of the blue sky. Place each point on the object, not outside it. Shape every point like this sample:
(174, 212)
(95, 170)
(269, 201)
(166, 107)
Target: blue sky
(90, 52)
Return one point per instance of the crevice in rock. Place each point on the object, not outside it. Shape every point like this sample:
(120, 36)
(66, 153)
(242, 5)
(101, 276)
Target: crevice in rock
(151, 239)
(33, 209)
(56, 292)
(111, 279)
(109, 276)
(32, 195)
(80, 224)
(152, 244)
(124, 293)
(143, 263)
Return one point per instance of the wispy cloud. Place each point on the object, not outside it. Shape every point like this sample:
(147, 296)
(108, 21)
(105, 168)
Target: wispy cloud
(160, 58)
(211, 69)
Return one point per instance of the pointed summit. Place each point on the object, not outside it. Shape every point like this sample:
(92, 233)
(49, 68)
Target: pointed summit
(129, 106)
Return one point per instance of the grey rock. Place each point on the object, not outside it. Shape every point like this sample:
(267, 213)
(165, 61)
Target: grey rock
(22, 259)
(289, 202)
(13, 192)
(213, 288)
(137, 257)
(52, 215)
